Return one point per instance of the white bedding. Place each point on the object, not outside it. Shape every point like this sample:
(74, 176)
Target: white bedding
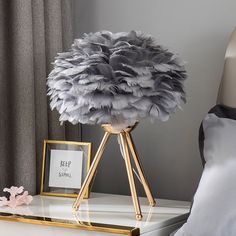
(214, 208)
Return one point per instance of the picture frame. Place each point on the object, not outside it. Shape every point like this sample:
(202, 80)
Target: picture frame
(64, 167)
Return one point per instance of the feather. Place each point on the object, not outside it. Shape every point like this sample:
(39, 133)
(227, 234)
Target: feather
(116, 78)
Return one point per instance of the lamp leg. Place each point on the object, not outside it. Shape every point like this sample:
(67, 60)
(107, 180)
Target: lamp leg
(92, 171)
(140, 169)
(124, 146)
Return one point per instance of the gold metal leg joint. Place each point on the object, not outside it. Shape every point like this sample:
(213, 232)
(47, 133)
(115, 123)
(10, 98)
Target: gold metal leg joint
(127, 144)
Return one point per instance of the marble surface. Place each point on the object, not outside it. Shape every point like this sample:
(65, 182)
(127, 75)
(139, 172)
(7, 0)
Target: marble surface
(107, 209)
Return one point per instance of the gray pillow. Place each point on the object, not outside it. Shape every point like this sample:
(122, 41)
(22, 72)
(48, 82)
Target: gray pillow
(221, 111)
(214, 207)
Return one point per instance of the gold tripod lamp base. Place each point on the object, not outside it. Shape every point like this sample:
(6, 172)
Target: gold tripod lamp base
(127, 147)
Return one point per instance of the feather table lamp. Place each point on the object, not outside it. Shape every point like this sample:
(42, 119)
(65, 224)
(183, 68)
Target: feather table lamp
(116, 80)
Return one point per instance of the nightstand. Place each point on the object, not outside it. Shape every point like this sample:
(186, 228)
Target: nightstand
(102, 214)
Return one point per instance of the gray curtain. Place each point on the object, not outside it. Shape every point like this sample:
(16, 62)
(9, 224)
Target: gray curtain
(31, 33)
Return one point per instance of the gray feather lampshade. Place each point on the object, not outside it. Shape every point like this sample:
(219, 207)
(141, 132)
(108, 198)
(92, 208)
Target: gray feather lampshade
(117, 79)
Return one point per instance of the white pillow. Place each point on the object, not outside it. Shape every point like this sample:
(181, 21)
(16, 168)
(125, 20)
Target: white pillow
(214, 207)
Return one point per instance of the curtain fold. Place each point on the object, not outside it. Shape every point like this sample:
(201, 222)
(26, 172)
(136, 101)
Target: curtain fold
(31, 33)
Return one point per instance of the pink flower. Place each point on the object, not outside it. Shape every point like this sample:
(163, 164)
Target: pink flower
(12, 202)
(3, 201)
(14, 190)
(17, 197)
(25, 198)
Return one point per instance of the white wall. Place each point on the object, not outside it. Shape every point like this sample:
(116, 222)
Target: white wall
(199, 31)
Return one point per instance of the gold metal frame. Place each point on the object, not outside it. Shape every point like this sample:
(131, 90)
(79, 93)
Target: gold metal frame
(127, 146)
(71, 195)
(87, 226)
